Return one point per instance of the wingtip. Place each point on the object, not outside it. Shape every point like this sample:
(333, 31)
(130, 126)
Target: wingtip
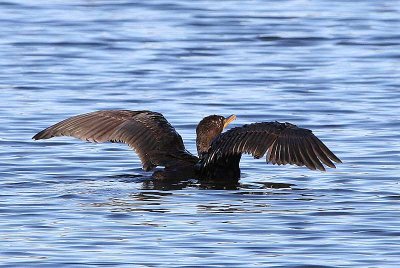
(333, 157)
(40, 135)
(35, 137)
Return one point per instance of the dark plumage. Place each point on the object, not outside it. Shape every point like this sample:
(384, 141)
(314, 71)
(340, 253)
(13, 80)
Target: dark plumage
(158, 144)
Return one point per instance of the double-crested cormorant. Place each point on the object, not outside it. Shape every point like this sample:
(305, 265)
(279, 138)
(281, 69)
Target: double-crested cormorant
(158, 144)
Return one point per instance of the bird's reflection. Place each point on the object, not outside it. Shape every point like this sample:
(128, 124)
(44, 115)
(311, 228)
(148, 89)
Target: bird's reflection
(154, 195)
(149, 183)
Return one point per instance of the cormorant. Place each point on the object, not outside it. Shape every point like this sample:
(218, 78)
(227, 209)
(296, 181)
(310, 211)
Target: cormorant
(158, 144)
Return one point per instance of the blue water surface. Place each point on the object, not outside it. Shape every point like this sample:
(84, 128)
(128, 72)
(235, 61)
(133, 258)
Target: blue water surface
(331, 66)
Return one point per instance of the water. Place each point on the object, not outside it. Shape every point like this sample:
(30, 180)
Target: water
(332, 66)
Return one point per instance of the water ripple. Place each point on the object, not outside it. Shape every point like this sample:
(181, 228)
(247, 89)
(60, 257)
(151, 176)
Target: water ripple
(332, 67)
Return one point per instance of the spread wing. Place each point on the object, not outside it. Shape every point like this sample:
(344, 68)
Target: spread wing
(148, 133)
(283, 143)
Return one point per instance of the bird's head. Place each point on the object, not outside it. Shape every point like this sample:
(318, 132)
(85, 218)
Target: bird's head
(208, 129)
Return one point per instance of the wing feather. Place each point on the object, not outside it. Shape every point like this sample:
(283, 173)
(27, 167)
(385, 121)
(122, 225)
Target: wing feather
(256, 143)
(314, 158)
(284, 151)
(273, 156)
(321, 155)
(282, 143)
(148, 133)
(242, 143)
(294, 153)
(299, 157)
(325, 149)
(304, 155)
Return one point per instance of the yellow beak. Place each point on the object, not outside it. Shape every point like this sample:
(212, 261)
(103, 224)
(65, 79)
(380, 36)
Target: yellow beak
(229, 120)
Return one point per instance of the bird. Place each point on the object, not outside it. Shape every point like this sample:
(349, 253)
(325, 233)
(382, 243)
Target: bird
(158, 144)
